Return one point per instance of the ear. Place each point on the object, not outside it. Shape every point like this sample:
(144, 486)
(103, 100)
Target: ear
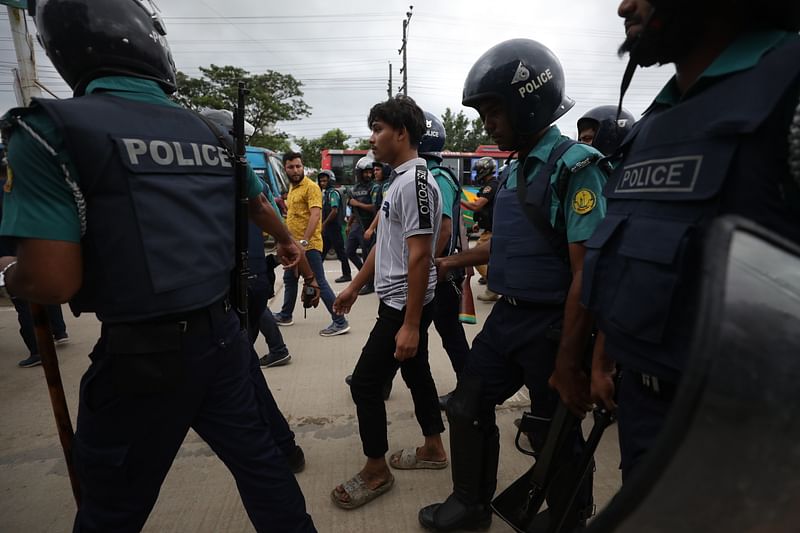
(402, 134)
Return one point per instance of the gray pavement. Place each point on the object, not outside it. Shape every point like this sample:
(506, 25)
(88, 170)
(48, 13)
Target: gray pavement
(199, 495)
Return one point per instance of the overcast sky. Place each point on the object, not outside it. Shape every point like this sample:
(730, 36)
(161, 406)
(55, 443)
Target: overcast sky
(341, 51)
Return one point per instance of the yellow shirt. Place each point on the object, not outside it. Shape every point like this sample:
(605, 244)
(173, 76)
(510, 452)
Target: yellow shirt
(302, 197)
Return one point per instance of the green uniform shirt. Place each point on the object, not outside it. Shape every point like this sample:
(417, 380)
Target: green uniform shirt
(40, 203)
(744, 53)
(446, 185)
(585, 204)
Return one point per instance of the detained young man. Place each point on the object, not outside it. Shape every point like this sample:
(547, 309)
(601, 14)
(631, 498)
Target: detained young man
(405, 280)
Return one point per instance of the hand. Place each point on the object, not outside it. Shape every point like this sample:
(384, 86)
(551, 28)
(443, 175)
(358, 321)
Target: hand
(572, 385)
(311, 301)
(345, 301)
(603, 388)
(406, 342)
(442, 270)
(289, 254)
(368, 234)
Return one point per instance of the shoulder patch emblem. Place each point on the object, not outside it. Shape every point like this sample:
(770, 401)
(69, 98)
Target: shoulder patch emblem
(9, 180)
(488, 188)
(584, 201)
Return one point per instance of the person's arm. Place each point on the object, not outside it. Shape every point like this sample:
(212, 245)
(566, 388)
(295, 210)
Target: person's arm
(479, 255)
(603, 372)
(419, 257)
(331, 216)
(569, 377)
(345, 300)
(477, 205)
(445, 232)
(262, 214)
(46, 271)
(313, 221)
(373, 227)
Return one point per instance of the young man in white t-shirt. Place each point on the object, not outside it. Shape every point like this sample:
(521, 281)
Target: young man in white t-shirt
(405, 281)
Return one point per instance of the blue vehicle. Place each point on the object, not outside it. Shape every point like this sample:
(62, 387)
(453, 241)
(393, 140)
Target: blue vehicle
(268, 166)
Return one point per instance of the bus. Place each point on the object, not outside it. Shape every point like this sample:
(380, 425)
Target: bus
(342, 162)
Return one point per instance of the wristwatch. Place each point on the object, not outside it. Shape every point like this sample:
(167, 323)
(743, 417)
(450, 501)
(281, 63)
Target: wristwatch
(304, 243)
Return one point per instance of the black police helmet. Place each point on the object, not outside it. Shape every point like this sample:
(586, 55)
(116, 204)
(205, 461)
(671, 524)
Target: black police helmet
(609, 129)
(527, 77)
(87, 39)
(434, 138)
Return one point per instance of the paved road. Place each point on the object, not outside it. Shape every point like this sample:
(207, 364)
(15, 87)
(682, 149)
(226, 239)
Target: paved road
(199, 494)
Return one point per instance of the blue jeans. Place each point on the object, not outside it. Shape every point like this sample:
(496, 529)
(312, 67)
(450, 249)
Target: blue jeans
(290, 287)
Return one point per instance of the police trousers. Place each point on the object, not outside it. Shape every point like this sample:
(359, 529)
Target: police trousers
(517, 347)
(377, 366)
(148, 383)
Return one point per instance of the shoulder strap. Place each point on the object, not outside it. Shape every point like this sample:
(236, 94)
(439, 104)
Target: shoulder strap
(539, 221)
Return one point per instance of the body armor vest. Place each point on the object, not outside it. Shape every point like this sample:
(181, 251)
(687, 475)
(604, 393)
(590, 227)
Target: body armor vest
(722, 151)
(159, 192)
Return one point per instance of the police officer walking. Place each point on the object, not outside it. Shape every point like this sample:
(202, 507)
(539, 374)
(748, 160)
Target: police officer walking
(547, 206)
(483, 209)
(448, 291)
(363, 211)
(714, 142)
(123, 205)
(332, 220)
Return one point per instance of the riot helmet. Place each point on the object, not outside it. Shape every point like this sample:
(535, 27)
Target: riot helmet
(364, 164)
(329, 174)
(526, 77)
(87, 39)
(485, 166)
(434, 138)
(223, 120)
(609, 127)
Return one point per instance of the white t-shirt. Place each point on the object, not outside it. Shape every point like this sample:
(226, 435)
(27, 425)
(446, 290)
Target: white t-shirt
(411, 206)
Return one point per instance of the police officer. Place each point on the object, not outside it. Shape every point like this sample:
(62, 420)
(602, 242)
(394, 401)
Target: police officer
(381, 181)
(363, 211)
(535, 262)
(448, 291)
(714, 141)
(123, 205)
(483, 209)
(604, 127)
(332, 220)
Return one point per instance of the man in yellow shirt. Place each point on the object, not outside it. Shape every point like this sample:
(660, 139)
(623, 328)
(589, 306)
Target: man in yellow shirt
(303, 218)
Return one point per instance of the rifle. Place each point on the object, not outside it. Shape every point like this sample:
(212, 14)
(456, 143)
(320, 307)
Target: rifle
(47, 351)
(241, 272)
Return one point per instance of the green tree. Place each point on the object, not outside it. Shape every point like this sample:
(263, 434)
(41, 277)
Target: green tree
(362, 144)
(311, 148)
(273, 97)
(463, 135)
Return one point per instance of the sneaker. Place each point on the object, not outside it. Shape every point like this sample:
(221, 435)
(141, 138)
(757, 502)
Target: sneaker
(335, 329)
(61, 338)
(296, 460)
(32, 360)
(366, 289)
(488, 296)
(274, 359)
(343, 279)
(283, 320)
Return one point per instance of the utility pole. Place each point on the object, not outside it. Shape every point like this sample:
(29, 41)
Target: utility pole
(25, 84)
(390, 80)
(404, 50)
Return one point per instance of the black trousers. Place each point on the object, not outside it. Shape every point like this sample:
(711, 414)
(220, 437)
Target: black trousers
(446, 322)
(332, 238)
(377, 365)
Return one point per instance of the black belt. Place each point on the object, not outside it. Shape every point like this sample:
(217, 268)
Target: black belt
(525, 304)
(657, 387)
(198, 321)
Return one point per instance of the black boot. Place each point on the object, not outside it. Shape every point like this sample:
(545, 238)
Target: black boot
(474, 453)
